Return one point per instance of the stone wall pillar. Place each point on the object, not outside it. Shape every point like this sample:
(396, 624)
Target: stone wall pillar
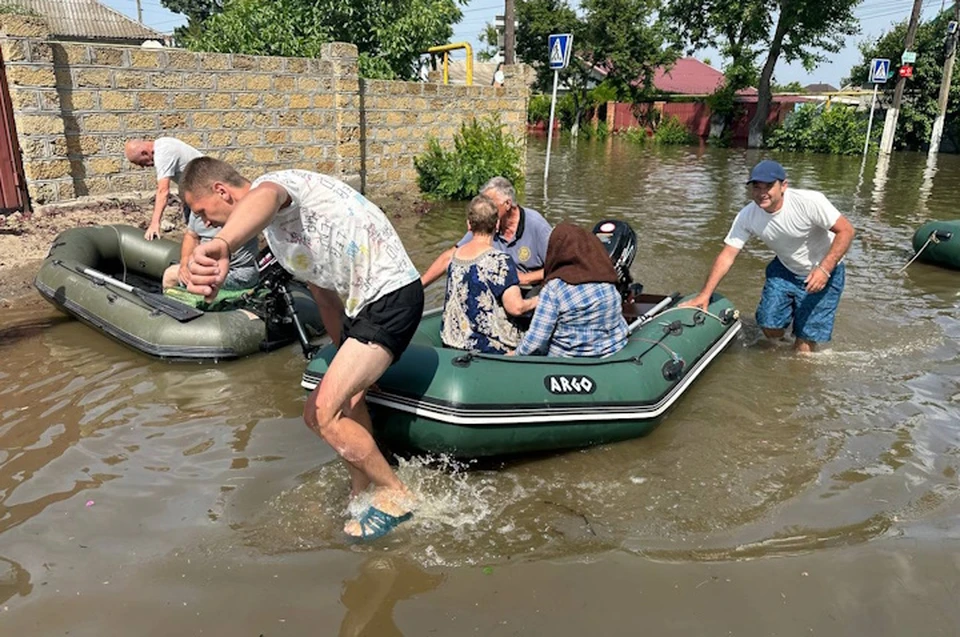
(343, 61)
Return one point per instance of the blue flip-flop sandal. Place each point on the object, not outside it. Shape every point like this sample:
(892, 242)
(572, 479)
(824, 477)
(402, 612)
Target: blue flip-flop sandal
(375, 523)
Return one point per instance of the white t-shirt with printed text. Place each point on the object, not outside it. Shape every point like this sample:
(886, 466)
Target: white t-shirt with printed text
(332, 236)
(799, 233)
(171, 156)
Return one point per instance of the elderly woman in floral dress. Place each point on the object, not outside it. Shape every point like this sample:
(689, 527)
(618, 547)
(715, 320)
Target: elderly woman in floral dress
(483, 289)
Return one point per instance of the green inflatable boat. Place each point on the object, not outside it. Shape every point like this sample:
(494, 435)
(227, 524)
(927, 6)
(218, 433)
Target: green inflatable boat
(109, 278)
(938, 242)
(446, 401)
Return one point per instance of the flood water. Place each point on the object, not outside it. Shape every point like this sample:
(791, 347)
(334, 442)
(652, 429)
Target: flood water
(783, 495)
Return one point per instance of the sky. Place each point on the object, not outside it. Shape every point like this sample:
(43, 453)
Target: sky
(876, 17)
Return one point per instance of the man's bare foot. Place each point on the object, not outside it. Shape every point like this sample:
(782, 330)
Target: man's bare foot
(394, 503)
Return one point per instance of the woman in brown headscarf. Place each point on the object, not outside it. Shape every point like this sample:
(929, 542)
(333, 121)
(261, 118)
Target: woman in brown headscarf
(579, 313)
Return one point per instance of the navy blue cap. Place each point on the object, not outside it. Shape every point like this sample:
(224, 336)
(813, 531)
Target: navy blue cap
(767, 171)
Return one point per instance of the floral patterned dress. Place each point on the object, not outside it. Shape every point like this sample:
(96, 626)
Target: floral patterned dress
(473, 315)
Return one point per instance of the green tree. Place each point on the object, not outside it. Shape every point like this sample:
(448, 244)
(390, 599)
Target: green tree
(626, 38)
(919, 106)
(839, 130)
(616, 41)
(196, 11)
(539, 18)
(737, 30)
(797, 30)
(805, 29)
(792, 87)
(389, 35)
(490, 41)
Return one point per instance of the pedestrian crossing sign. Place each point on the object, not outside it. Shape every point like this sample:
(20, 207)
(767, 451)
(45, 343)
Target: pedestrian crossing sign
(559, 46)
(879, 70)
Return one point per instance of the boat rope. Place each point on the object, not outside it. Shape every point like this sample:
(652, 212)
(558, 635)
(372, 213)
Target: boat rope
(659, 344)
(710, 314)
(123, 261)
(933, 238)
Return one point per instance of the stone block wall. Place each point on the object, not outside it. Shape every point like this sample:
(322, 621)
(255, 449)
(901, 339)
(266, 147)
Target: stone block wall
(400, 117)
(75, 104)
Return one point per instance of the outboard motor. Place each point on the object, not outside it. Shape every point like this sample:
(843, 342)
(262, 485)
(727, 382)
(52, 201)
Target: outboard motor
(621, 243)
(279, 307)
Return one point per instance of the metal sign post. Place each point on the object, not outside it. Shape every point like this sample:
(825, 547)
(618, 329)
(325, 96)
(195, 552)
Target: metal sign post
(879, 68)
(559, 46)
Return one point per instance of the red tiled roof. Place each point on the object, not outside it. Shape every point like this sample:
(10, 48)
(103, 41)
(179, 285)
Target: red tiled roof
(688, 76)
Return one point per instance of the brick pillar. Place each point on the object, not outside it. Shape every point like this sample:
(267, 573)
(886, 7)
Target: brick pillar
(41, 130)
(343, 60)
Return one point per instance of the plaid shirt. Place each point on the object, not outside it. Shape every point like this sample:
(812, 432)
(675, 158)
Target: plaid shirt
(576, 320)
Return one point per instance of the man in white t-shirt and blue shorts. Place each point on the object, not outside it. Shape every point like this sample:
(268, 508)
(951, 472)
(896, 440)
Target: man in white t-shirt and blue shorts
(366, 287)
(806, 278)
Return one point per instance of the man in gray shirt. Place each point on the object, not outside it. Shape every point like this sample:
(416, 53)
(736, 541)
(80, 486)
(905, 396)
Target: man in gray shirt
(523, 234)
(170, 156)
(243, 271)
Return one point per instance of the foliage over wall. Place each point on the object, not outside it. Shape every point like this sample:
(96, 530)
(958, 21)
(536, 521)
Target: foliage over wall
(815, 129)
(389, 35)
(919, 106)
(481, 150)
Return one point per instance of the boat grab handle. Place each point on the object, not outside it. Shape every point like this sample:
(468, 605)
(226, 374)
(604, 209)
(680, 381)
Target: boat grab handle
(649, 314)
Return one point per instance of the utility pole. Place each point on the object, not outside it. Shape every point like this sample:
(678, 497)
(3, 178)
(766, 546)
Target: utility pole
(139, 12)
(890, 124)
(509, 36)
(937, 133)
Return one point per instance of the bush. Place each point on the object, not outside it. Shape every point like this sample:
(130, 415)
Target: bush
(673, 131)
(814, 129)
(599, 132)
(481, 150)
(723, 140)
(538, 109)
(566, 110)
(636, 134)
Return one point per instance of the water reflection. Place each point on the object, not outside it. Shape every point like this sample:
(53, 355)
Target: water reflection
(371, 597)
(14, 580)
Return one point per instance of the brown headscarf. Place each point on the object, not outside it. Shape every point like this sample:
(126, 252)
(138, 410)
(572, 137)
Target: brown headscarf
(577, 256)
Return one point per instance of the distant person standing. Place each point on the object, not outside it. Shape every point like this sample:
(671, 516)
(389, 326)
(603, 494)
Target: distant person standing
(806, 278)
(170, 156)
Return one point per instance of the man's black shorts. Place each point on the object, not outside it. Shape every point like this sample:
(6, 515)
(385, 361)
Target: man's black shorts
(390, 321)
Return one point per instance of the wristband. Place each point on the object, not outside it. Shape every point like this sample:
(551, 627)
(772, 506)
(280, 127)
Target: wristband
(227, 243)
(818, 266)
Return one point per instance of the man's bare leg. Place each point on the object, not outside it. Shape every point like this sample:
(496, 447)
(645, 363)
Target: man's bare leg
(355, 367)
(359, 412)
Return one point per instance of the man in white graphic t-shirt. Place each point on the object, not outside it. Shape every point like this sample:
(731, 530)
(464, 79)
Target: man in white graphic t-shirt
(806, 278)
(366, 287)
(170, 156)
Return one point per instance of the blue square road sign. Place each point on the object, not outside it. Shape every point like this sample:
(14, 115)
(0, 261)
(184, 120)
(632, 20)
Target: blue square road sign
(879, 70)
(559, 46)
